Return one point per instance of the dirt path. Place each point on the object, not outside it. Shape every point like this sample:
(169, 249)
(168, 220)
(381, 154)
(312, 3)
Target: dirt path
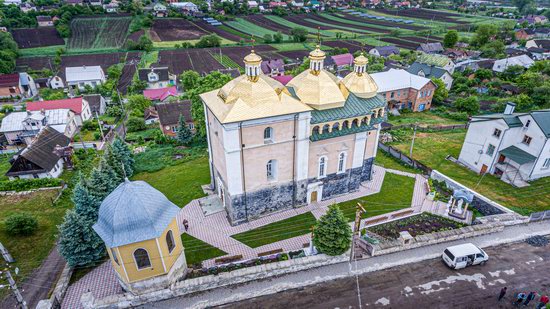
(40, 282)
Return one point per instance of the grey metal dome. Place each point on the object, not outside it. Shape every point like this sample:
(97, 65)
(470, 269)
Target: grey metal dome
(133, 212)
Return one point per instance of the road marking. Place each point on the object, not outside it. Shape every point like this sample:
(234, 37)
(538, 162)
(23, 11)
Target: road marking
(382, 301)
(495, 273)
(530, 262)
(510, 271)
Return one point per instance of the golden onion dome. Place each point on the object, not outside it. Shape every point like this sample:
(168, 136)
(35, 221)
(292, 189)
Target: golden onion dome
(362, 85)
(252, 57)
(317, 53)
(254, 92)
(320, 90)
(361, 60)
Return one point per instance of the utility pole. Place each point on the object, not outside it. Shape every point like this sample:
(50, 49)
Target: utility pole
(15, 289)
(100, 126)
(357, 224)
(412, 142)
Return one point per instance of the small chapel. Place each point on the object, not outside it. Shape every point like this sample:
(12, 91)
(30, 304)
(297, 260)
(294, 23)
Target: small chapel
(275, 147)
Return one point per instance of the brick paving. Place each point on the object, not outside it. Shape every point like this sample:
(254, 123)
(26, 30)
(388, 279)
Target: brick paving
(102, 282)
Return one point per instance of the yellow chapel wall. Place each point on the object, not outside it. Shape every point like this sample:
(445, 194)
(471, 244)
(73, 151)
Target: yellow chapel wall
(330, 148)
(216, 143)
(370, 145)
(170, 258)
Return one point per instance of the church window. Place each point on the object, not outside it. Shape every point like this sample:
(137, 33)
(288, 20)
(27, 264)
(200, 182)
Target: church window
(268, 134)
(271, 170)
(322, 167)
(142, 258)
(342, 162)
(170, 241)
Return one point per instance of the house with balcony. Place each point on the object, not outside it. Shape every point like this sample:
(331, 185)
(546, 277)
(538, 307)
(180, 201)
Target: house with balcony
(512, 146)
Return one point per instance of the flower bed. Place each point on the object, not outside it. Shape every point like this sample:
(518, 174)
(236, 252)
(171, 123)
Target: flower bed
(214, 270)
(424, 223)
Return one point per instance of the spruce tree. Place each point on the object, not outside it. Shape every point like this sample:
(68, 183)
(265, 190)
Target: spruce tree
(102, 181)
(115, 163)
(78, 243)
(183, 133)
(332, 235)
(122, 153)
(84, 203)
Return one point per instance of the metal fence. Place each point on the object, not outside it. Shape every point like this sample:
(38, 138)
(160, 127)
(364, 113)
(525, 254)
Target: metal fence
(404, 158)
(539, 216)
(426, 128)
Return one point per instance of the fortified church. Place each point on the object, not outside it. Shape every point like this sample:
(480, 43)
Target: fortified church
(274, 147)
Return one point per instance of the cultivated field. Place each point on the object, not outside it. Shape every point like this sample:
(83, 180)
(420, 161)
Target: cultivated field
(426, 14)
(128, 71)
(352, 46)
(37, 37)
(98, 33)
(231, 36)
(172, 29)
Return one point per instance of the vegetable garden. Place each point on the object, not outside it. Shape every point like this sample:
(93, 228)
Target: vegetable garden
(98, 33)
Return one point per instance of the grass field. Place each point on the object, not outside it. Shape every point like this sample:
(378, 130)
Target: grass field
(432, 148)
(197, 250)
(180, 183)
(346, 29)
(277, 231)
(290, 24)
(40, 51)
(226, 61)
(172, 44)
(422, 119)
(4, 165)
(250, 28)
(396, 193)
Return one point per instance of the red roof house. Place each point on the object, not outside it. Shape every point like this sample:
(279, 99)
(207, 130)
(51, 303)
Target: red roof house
(9, 85)
(79, 106)
(160, 94)
(343, 59)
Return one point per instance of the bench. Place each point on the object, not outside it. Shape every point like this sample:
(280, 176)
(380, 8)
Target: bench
(270, 252)
(228, 259)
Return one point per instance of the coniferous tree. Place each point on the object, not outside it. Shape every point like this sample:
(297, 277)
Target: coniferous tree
(122, 153)
(332, 234)
(102, 181)
(78, 242)
(183, 134)
(84, 203)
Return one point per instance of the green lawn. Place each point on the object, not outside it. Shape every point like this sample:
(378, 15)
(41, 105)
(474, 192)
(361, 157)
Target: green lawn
(432, 148)
(277, 231)
(423, 119)
(396, 193)
(180, 183)
(197, 250)
(30, 251)
(290, 24)
(386, 161)
(4, 165)
(250, 28)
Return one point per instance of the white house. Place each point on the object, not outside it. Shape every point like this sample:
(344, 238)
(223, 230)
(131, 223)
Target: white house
(185, 6)
(79, 106)
(16, 2)
(513, 146)
(56, 82)
(40, 159)
(92, 76)
(432, 71)
(521, 60)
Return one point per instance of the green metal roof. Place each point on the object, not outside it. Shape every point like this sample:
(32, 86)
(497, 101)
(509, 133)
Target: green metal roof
(542, 118)
(429, 70)
(511, 120)
(433, 59)
(345, 130)
(517, 155)
(354, 107)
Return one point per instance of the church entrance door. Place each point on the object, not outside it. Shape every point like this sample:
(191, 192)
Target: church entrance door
(313, 197)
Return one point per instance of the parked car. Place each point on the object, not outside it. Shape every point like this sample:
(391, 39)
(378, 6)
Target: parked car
(460, 256)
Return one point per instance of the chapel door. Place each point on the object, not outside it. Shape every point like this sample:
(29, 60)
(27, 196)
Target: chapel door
(313, 197)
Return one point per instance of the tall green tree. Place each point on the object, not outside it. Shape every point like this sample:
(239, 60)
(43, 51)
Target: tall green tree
(451, 38)
(120, 152)
(78, 242)
(183, 133)
(332, 234)
(103, 181)
(189, 79)
(441, 93)
(298, 34)
(468, 105)
(84, 203)
(525, 6)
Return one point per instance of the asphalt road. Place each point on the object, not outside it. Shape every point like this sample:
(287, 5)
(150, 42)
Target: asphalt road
(429, 284)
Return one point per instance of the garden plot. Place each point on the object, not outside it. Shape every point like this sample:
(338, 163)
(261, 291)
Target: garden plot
(250, 28)
(421, 39)
(98, 33)
(293, 22)
(37, 37)
(128, 71)
(198, 60)
(351, 45)
(218, 31)
(267, 23)
(173, 29)
(344, 25)
(34, 63)
(386, 24)
(425, 14)
(401, 43)
(421, 224)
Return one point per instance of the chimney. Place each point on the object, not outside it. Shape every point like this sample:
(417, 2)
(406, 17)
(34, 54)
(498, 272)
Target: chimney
(509, 109)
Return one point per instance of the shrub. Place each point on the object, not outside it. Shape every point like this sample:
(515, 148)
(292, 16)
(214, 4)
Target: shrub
(21, 224)
(28, 184)
(136, 124)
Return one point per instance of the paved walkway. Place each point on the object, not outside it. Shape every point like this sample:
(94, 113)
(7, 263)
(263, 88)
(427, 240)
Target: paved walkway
(273, 285)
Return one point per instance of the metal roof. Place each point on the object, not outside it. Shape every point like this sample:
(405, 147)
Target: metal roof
(518, 155)
(134, 212)
(354, 107)
(429, 70)
(542, 118)
(345, 130)
(398, 79)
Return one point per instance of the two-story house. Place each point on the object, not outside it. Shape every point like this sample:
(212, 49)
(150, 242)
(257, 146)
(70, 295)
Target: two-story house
(157, 78)
(79, 106)
(80, 77)
(432, 71)
(513, 146)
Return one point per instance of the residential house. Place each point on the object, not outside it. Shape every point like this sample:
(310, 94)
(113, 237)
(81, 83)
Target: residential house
(431, 71)
(298, 3)
(283, 79)
(542, 33)
(80, 77)
(185, 6)
(512, 146)
(40, 159)
(169, 115)
(533, 19)
(160, 10)
(457, 54)
(431, 48)
(502, 64)
(21, 127)
(15, 2)
(44, 21)
(440, 61)
(97, 104)
(384, 51)
(27, 7)
(10, 86)
(111, 7)
(273, 67)
(79, 106)
(28, 86)
(151, 115)
(524, 34)
(402, 89)
(512, 52)
(538, 44)
(342, 61)
(160, 94)
(56, 82)
(539, 53)
(252, 4)
(95, 2)
(158, 77)
(74, 2)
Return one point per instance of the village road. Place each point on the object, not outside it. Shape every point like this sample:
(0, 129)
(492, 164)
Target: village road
(428, 284)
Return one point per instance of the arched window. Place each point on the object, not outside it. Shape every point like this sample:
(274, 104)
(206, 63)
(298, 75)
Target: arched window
(142, 258)
(342, 162)
(316, 130)
(170, 241)
(325, 128)
(271, 170)
(322, 167)
(336, 126)
(268, 134)
(345, 124)
(354, 123)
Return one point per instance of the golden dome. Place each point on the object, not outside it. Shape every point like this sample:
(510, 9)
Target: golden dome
(317, 53)
(362, 85)
(361, 60)
(252, 57)
(320, 90)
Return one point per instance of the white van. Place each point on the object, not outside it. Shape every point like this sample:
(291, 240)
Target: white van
(460, 256)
